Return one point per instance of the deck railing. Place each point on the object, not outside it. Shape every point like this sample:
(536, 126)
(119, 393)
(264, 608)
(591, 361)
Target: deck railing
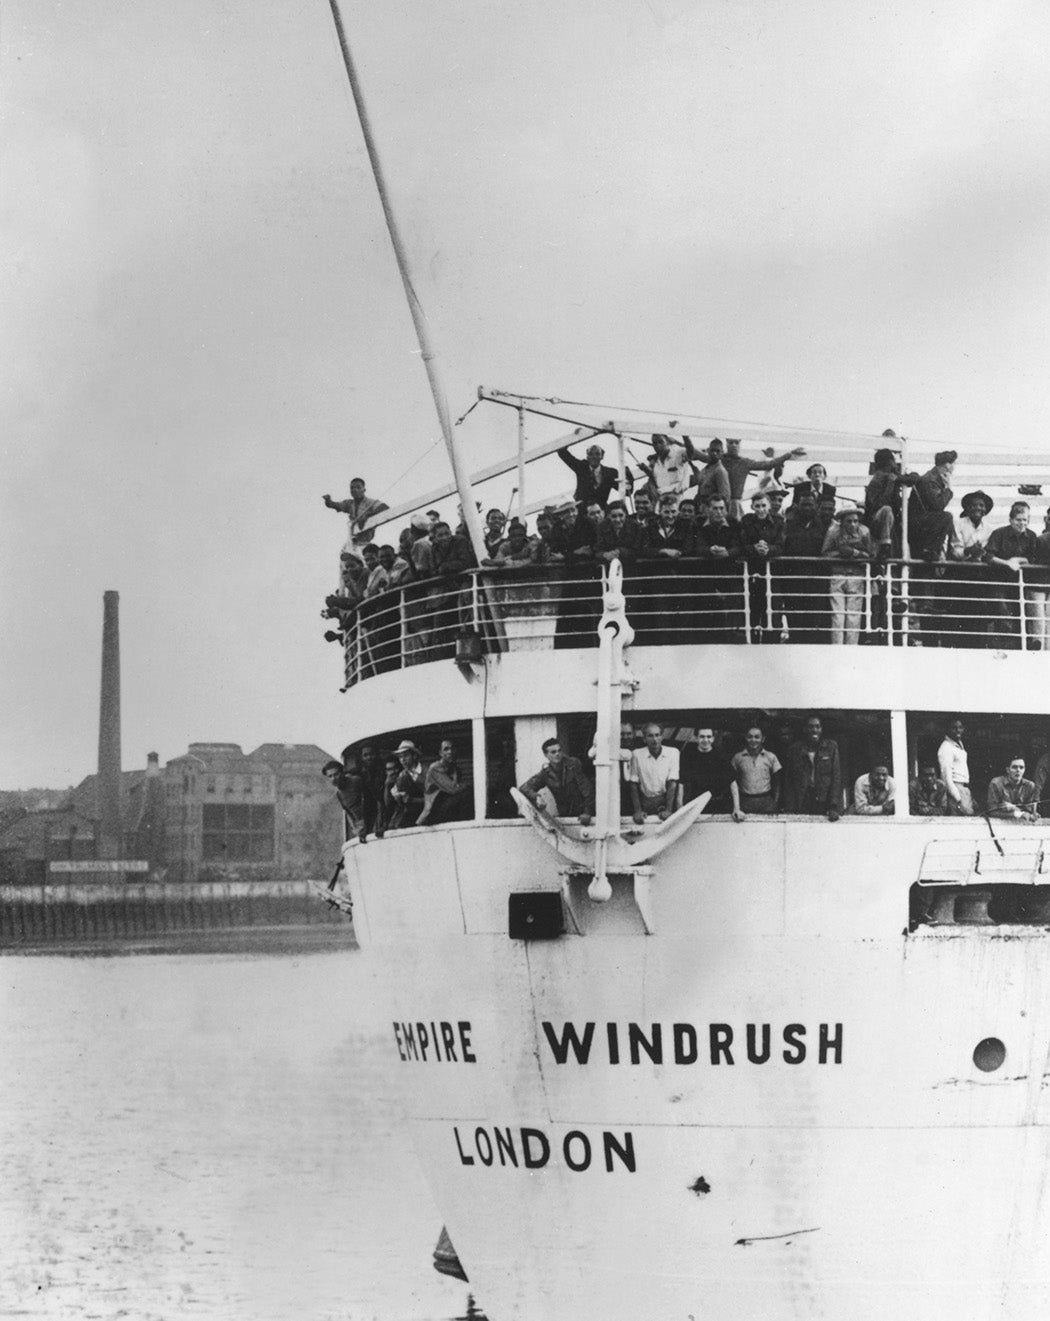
(682, 602)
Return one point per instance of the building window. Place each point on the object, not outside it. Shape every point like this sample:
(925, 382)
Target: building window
(238, 832)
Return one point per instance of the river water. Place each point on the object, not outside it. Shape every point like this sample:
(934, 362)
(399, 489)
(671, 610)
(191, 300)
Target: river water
(206, 1135)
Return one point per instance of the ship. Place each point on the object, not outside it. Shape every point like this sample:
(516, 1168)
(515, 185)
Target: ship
(788, 1066)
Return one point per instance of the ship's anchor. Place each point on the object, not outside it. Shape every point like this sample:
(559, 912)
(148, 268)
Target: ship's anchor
(603, 848)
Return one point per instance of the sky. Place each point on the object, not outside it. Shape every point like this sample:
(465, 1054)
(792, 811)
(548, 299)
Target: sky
(813, 214)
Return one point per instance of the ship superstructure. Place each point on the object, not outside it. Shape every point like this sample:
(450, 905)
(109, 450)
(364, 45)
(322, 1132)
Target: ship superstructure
(790, 1066)
(787, 1067)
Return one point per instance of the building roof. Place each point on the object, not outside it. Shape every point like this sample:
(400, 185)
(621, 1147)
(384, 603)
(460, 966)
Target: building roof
(84, 797)
(295, 752)
(31, 832)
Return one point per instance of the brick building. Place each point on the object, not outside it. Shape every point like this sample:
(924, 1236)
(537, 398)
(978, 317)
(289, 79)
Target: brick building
(264, 813)
(214, 813)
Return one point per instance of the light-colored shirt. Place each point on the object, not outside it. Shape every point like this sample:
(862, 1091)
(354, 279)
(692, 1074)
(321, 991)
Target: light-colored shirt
(868, 801)
(838, 539)
(966, 538)
(1007, 799)
(755, 773)
(652, 774)
(671, 475)
(955, 767)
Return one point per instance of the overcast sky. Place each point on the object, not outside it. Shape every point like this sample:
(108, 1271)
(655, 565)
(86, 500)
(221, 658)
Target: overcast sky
(817, 213)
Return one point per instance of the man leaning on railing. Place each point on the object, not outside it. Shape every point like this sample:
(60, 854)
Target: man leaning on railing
(1011, 796)
(560, 787)
(1008, 550)
(848, 543)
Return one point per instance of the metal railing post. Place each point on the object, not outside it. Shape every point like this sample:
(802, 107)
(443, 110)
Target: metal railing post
(769, 597)
(746, 579)
(866, 628)
(889, 604)
(1022, 603)
(357, 646)
(402, 628)
(906, 604)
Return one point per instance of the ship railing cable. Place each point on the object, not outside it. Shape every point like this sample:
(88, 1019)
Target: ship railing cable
(686, 601)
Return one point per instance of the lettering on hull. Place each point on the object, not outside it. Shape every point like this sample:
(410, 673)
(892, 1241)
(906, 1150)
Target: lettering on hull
(686, 1043)
(532, 1149)
(446, 1043)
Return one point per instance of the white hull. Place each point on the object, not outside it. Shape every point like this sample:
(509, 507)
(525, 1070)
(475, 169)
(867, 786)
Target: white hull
(893, 1179)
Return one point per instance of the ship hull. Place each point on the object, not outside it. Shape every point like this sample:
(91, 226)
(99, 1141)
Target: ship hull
(744, 1091)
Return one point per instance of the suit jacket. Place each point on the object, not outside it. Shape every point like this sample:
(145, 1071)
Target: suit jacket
(824, 775)
(592, 484)
(827, 491)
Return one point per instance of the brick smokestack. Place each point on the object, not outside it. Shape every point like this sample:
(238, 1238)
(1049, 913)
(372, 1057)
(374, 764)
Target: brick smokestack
(108, 784)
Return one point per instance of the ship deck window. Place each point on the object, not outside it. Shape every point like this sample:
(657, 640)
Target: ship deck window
(862, 738)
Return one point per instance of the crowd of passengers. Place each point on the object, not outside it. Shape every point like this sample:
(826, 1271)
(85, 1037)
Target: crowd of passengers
(656, 779)
(691, 507)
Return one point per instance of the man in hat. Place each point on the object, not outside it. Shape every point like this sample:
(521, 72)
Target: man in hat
(422, 546)
(595, 481)
(409, 789)
(930, 526)
(739, 469)
(848, 543)
(566, 786)
(968, 600)
(1011, 796)
(882, 500)
(359, 509)
(970, 535)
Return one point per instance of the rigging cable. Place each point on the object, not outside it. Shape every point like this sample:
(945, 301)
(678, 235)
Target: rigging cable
(663, 412)
(427, 451)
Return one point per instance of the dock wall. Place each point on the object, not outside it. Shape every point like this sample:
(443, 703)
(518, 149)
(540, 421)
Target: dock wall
(86, 912)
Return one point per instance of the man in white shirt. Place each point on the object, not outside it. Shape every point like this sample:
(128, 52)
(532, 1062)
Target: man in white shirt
(955, 770)
(971, 534)
(873, 793)
(653, 774)
(669, 471)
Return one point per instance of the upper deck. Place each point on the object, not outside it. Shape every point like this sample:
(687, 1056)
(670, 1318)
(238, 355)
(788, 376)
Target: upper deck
(934, 636)
(523, 643)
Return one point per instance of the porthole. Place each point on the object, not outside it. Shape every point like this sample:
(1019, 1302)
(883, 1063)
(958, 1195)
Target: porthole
(989, 1054)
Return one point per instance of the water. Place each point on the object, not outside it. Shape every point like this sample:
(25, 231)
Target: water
(206, 1135)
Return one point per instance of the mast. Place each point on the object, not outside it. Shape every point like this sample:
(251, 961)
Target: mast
(437, 389)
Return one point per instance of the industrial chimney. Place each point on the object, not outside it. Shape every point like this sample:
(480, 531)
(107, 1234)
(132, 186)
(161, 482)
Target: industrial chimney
(108, 783)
